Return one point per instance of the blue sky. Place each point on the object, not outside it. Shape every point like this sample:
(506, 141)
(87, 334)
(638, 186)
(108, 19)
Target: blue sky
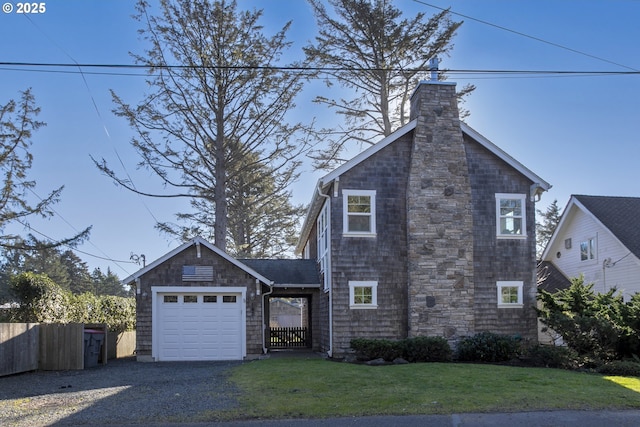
(576, 132)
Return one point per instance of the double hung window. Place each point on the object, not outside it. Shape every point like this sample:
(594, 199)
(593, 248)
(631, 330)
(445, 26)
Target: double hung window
(359, 212)
(511, 219)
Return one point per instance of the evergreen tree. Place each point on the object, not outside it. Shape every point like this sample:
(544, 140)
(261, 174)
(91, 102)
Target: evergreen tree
(378, 56)
(545, 229)
(18, 123)
(221, 112)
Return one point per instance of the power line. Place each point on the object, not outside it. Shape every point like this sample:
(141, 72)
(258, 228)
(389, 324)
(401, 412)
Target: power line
(292, 68)
(500, 27)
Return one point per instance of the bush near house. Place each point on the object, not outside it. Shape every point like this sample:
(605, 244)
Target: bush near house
(42, 301)
(599, 327)
(418, 349)
(488, 347)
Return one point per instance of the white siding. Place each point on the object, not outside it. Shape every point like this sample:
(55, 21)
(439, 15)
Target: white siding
(580, 226)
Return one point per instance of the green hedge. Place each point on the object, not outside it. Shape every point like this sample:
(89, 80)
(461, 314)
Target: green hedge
(418, 349)
(43, 301)
(488, 347)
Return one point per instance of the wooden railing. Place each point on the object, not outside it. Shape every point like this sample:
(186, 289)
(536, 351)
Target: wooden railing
(288, 337)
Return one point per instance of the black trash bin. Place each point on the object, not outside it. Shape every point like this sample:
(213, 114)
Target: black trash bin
(93, 340)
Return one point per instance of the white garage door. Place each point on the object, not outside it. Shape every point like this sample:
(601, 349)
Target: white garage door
(199, 326)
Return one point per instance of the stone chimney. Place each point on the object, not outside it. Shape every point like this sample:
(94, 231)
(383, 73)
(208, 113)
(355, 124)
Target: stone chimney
(439, 218)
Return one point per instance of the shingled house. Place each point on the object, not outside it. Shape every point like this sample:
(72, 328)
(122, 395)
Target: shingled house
(428, 232)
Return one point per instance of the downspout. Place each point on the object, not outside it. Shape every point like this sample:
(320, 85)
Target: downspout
(330, 352)
(264, 325)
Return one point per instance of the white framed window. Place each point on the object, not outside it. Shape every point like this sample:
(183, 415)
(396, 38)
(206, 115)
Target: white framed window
(588, 249)
(511, 218)
(363, 294)
(359, 212)
(510, 294)
(323, 226)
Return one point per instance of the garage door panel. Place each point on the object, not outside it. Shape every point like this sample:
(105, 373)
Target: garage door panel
(200, 327)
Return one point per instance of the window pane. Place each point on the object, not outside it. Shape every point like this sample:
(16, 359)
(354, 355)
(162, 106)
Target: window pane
(363, 295)
(359, 204)
(359, 223)
(171, 298)
(510, 207)
(592, 248)
(584, 251)
(229, 298)
(210, 298)
(509, 295)
(511, 225)
(190, 298)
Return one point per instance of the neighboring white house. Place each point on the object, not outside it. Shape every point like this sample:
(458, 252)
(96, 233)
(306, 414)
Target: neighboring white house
(599, 237)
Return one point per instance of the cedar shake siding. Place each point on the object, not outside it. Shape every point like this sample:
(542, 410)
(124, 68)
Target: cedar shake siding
(169, 273)
(382, 259)
(500, 259)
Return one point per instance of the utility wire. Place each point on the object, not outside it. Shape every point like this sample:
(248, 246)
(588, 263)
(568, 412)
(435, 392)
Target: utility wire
(500, 27)
(97, 110)
(286, 68)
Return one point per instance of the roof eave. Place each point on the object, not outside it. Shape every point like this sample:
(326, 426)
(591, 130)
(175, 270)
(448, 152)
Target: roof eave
(196, 240)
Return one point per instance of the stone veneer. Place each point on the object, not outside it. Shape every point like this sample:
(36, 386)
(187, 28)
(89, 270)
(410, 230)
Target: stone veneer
(439, 219)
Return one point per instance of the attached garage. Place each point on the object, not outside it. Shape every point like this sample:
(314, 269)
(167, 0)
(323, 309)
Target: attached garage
(198, 323)
(198, 303)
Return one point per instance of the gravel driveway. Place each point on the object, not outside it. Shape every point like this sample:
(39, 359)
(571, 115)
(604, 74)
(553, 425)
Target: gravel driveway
(124, 391)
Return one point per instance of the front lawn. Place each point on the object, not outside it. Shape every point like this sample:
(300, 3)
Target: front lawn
(291, 388)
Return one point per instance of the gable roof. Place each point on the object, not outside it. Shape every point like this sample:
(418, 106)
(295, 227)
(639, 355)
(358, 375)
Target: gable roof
(295, 273)
(196, 241)
(325, 181)
(552, 279)
(621, 215)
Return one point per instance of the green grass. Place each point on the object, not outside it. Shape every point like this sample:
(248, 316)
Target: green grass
(290, 387)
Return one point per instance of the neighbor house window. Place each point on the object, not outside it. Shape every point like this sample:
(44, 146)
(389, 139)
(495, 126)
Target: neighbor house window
(359, 212)
(511, 215)
(363, 294)
(510, 294)
(324, 245)
(588, 249)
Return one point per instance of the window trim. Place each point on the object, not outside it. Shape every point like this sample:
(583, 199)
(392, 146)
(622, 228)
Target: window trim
(523, 217)
(323, 244)
(345, 213)
(500, 285)
(353, 284)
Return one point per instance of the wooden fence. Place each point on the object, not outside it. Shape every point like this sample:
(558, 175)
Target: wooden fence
(18, 347)
(288, 337)
(61, 346)
(31, 346)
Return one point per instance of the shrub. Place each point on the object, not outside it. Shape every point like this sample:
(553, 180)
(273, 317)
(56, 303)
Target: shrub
(43, 301)
(368, 349)
(426, 349)
(488, 347)
(418, 349)
(549, 356)
(623, 368)
(40, 299)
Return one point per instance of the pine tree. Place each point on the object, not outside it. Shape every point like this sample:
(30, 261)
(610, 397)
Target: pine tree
(378, 56)
(220, 113)
(545, 229)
